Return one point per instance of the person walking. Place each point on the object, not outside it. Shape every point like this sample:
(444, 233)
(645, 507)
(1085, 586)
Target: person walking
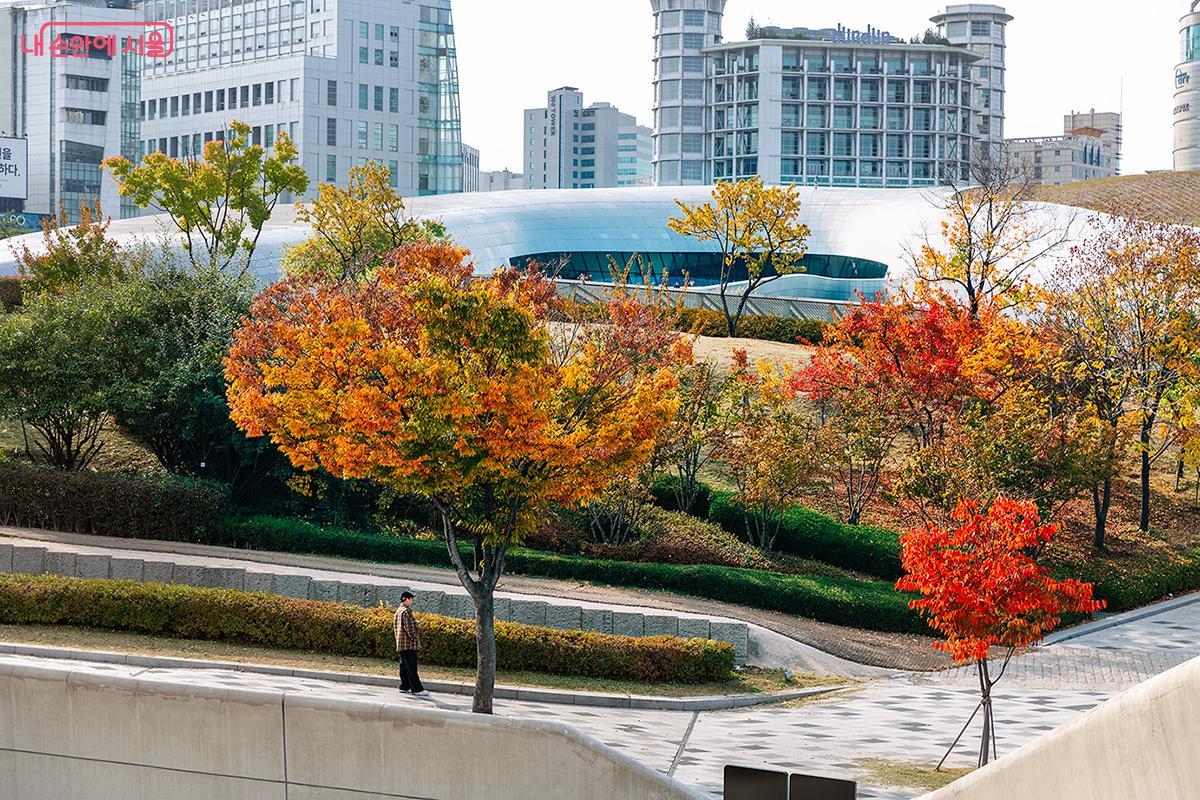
(408, 642)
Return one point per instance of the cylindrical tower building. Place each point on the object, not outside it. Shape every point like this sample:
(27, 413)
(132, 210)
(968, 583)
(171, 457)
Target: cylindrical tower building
(982, 29)
(681, 29)
(1187, 94)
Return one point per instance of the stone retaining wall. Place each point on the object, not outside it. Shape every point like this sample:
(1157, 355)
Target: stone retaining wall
(35, 560)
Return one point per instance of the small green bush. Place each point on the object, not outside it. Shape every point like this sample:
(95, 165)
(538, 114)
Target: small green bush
(874, 605)
(672, 537)
(176, 509)
(339, 629)
(810, 534)
(10, 292)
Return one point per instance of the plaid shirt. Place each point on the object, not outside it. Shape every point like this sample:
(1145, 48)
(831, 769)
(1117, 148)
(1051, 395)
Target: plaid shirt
(407, 636)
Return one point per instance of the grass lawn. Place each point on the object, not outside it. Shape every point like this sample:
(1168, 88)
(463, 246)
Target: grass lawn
(749, 681)
(884, 772)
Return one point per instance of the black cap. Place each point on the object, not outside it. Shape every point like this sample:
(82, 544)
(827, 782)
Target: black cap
(406, 596)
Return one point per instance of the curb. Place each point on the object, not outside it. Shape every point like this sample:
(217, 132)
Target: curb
(521, 693)
(1113, 620)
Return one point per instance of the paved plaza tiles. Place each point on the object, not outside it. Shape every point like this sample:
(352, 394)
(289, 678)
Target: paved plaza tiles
(907, 717)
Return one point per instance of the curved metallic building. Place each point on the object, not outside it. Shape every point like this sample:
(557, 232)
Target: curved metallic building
(860, 241)
(1187, 94)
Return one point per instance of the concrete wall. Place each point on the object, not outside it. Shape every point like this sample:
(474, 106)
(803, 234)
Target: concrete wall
(91, 736)
(1143, 744)
(161, 568)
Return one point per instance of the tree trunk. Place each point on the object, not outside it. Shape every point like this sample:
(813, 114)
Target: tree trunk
(1178, 475)
(985, 689)
(1144, 522)
(1101, 500)
(485, 652)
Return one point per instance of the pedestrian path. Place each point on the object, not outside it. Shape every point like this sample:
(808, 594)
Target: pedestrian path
(908, 718)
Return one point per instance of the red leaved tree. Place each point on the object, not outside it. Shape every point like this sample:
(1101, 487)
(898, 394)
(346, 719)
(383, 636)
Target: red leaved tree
(981, 588)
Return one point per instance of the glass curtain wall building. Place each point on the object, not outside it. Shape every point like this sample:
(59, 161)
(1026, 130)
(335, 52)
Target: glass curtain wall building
(982, 29)
(350, 81)
(1187, 94)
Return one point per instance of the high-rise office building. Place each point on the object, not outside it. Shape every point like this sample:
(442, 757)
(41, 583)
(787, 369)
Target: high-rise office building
(1187, 93)
(682, 29)
(982, 29)
(75, 108)
(470, 167)
(568, 146)
(831, 113)
(351, 81)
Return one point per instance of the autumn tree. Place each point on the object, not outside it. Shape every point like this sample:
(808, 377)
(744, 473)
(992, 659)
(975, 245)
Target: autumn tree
(219, 202)
(71, 254)
(860, 419)
(696, 428)
(980, 588)
(426, 379)
(758, 233)
(767, 448)
(357, 227)
(1125, 310)
(991, 236)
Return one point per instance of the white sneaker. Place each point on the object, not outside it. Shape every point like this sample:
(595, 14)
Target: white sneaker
(421, 694)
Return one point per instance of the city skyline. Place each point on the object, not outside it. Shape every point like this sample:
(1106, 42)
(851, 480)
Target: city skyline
(1066, 38)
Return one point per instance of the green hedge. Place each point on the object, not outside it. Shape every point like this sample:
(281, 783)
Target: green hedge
(664, 492)
(788, 330)
(811, 534)
(336, 628)
(1139, 583)
(177, 509)
(842, 601)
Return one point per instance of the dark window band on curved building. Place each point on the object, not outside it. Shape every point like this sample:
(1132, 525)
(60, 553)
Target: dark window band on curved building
(700, 269)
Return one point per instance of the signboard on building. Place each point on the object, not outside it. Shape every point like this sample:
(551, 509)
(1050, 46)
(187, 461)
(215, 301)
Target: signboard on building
(14, 164)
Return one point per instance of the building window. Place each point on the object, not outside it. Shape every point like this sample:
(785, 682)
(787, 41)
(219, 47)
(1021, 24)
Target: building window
(818, 116)
(364, 55)
(86, 116)
(981, 28)
(379, 98)
(86, 84)
(816, 144)
(692, 143)
(364, 30)
(331, 168)
(331, 132)
(363, 90)
(379, 56)
(269, 94)
(257, 94)
(393, 138)
(693, 170)
(208, 101)
(361, 131)
(331, 93)
(394, 59)
(378, 137)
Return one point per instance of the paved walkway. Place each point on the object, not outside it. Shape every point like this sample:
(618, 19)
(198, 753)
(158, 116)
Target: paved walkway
(909, 717)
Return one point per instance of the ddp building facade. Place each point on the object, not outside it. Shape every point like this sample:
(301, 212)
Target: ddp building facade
(1187, 94)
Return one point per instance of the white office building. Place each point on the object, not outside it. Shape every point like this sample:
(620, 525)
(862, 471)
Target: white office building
(74, 108)
(350, 81)
(1089, 147)
(1187, 93)
(836, 114)
(982, 29)
(570, 146)
(502, 180)
(470, 169)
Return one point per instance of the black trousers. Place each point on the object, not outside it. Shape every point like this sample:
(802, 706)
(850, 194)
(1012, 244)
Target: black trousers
(410, 681)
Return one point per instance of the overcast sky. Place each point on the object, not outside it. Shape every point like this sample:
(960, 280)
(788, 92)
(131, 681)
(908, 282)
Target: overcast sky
(1063, 55)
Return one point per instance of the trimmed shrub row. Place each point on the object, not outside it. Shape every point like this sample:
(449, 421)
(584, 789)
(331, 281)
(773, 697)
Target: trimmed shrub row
(176, 509)
(874, 605)
(271, 621)
(811, 534)
(787, 330)
(1126, 589)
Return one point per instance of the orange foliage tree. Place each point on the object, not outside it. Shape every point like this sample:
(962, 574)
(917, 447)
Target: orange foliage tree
(981, 588)
(429, 380)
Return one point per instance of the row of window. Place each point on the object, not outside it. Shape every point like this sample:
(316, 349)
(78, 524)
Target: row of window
(691, 18)
(84, 83)
(192, 144)
(247, 96)
(331, 168)
(862, 62)
(865, 145)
